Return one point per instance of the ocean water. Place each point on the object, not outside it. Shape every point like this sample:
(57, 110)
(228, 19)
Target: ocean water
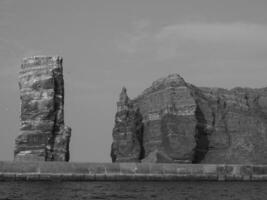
(133, 190)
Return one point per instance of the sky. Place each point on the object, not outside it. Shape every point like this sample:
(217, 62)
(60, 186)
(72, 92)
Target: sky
(108, 44)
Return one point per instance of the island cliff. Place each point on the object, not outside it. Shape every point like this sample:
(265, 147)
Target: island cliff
(43, 135)
(176, 122)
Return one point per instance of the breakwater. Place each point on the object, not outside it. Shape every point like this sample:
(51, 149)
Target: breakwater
(63, 171)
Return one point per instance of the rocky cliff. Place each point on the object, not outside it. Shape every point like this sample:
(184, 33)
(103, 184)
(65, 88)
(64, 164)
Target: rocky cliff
(186, 124)
(43, 134)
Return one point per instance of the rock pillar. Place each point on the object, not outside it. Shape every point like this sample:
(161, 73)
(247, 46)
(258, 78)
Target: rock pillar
(127, 138)
(43, 134)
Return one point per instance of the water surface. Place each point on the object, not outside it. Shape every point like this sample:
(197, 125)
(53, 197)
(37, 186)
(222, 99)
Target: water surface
(133, 190)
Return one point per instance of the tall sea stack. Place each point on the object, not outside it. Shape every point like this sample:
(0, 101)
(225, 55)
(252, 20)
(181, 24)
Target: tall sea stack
(43, 134)
(127, 133)
(183, 123)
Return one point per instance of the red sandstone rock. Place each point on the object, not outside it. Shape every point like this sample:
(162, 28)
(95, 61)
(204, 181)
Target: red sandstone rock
(168, 109)
(126, 145)
(157, 157)
(202, 125)
(43, 135)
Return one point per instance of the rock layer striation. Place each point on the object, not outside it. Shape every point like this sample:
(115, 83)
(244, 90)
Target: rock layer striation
(182, 123)
(43, 134)
(127, 133)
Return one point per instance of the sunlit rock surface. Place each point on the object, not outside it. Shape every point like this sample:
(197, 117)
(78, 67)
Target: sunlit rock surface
(186, 124)
(43, 135)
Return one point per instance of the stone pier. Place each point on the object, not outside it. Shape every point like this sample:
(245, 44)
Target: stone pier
(43, 134)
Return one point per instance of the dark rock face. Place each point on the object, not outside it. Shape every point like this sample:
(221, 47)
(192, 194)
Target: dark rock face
(168, 110)
(43, 135)
(239, 129)
(186, 124)
(127, 133)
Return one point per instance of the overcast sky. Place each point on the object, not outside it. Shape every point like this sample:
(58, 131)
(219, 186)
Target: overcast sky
(107, 44)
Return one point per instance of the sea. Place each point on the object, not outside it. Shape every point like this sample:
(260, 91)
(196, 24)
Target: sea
(133, 190)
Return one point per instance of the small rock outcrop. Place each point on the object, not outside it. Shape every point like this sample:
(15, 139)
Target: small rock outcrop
(183, 123)
(43, 134)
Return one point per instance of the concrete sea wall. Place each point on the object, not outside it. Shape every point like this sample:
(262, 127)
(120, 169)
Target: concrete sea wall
(62, 171)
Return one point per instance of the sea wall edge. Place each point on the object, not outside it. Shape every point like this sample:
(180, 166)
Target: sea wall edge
(63, 171)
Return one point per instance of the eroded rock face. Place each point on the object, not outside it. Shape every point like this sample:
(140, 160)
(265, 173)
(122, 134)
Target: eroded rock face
(168, 109)
(43, 134)
(239, 128)
(127, 133)
(186, 124)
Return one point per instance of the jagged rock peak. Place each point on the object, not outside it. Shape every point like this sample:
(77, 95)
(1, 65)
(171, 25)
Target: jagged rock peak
(170, 80)
(123, 95)
(126, 146)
